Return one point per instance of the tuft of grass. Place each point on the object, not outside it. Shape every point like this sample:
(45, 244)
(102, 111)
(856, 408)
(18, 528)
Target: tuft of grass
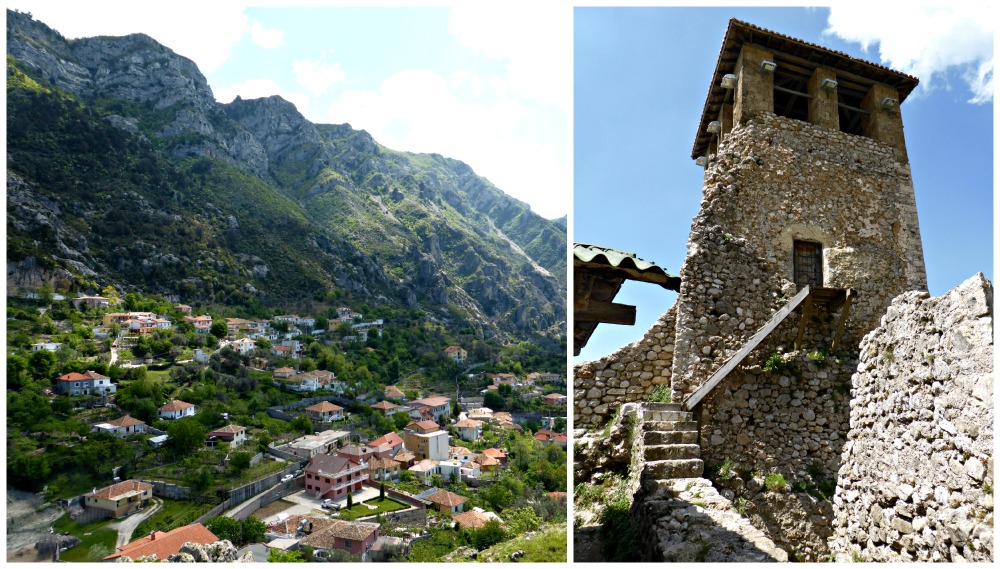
(726, 471)
(741, 506)
(818, 356)
(775, 363)
(775, 482)
(661, 394)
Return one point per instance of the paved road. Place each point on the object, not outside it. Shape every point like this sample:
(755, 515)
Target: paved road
(128, 525)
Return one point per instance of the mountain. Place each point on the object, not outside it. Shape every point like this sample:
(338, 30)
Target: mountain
(123, 168)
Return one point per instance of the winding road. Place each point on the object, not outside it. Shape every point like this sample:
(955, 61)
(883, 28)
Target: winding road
(128, 525)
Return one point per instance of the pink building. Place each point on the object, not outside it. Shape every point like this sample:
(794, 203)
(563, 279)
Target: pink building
(334, 476)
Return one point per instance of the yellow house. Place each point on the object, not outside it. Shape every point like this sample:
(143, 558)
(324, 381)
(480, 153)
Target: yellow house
(119, 499)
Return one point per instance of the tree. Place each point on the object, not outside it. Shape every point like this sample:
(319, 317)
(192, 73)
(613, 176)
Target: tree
(350, 500)
(109, 292)
(303, 424)
(219, 329)
(487, 536)
(278, 556)
(240, 461)
(225, 527)
(41, 364)
(186, 436)
(381, 491)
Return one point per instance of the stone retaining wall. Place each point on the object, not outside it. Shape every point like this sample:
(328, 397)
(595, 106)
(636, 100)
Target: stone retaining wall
(628, 375)
(917, 477)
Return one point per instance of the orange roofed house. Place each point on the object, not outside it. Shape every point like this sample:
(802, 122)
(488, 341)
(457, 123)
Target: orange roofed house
(456, 353)
(447, 502)
(119, 499)
(164, 544)
(120, 427)
(324, 411)
(176, 409)
(235, 435)
(89, 383)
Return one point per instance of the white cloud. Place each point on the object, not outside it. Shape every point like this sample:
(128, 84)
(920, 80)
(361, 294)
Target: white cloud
(267, 38)
(534, 40)
(317, 76)
(203, 32)
(925, 41)
(258, 88)
(508, 142)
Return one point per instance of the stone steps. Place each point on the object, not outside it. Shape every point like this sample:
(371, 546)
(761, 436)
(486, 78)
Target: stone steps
(668, 415)
(672, 452)
(653, 438)
(670, 425)
(679, 468)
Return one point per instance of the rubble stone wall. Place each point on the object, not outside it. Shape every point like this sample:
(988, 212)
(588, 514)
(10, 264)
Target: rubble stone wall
(630, 374)
(916, 481)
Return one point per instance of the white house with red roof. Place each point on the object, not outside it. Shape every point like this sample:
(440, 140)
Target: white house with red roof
(325, 411)
(235, 435)
(438, 405)
(88, 383)
(119, 499)
(176, 409)
(120, 427)
(456, 353)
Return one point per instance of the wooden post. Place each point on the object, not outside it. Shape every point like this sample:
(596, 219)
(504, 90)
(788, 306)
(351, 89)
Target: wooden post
(851, 293)
(807, 311)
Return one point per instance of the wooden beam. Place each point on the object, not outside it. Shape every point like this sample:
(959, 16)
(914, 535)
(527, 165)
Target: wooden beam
(757, 338)
(807, 311)
(606, 312)
(851, 293)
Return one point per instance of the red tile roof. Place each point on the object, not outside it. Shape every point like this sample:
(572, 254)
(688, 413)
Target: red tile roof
(126, 421)
(391, 439)
(385, 405)
(471, 519)
(324, 407)
(176, 405)
(163, 545)
(446, 498)
(122, 489)
(227, 430)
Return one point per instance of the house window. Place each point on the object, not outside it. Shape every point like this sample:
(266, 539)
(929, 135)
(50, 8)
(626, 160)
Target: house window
(808, 263)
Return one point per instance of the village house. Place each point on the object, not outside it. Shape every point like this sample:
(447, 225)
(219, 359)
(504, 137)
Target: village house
(326, 535)
(122, 318)
(426, 439)
(391, 440)
(547, 436)
(164, 544)
(438, 405)
(235, 435)
(498, 453)
(120, 427)
(242, 346)
(447, 502)
(355, 453)
(554, 399)
(324, 411)
(424, 469)
(334, 476)
(283, 372)
(119, 499)
(383, 469)
(394, 392)
(90, 302)
(487, 463)
(176, 409)
(183, 308)
(47, 346)
(88, 383)
(405, 458)
(460, 454)
(385, 408)
(202, 324)
(309, 446)
(469, 429)
(483, 414)
(456, 353)
(472, 519)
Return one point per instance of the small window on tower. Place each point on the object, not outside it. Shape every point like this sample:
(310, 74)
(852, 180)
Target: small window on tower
(808, 263)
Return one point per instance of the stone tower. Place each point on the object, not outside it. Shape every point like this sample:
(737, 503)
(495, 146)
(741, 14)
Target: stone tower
(806, 182)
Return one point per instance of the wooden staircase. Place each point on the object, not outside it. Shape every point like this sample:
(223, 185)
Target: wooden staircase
(670, 439)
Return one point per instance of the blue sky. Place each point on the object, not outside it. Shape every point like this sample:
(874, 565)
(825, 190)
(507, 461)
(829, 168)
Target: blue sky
(640, 80)
(489, 84)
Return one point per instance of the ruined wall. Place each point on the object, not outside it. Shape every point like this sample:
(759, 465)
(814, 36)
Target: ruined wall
(630, 374)
(917, 475)
(775, 180)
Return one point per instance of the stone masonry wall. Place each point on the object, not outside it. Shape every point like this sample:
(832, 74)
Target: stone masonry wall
(917, 477)
(630, 374)
(775, 180)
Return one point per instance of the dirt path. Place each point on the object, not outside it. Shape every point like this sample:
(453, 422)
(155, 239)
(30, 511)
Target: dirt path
(128, 525)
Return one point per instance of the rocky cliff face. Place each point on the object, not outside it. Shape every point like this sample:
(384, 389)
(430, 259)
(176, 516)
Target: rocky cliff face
(917, 477)
(383, 226)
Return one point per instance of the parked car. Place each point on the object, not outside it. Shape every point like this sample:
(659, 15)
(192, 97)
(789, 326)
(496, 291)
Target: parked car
(286, 477)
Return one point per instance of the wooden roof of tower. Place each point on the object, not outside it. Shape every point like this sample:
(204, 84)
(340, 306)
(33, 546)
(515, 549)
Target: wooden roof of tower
(853, 74)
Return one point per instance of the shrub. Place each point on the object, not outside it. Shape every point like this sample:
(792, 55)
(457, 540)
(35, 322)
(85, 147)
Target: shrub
(726, 471)
(775, 482)
(661, 394)
(775, 363)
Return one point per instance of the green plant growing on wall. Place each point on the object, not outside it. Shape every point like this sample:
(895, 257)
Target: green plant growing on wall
(661, 394)
(726, 471)
(775, 482)
(775, 363)
(742, 505)
(818, 356)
